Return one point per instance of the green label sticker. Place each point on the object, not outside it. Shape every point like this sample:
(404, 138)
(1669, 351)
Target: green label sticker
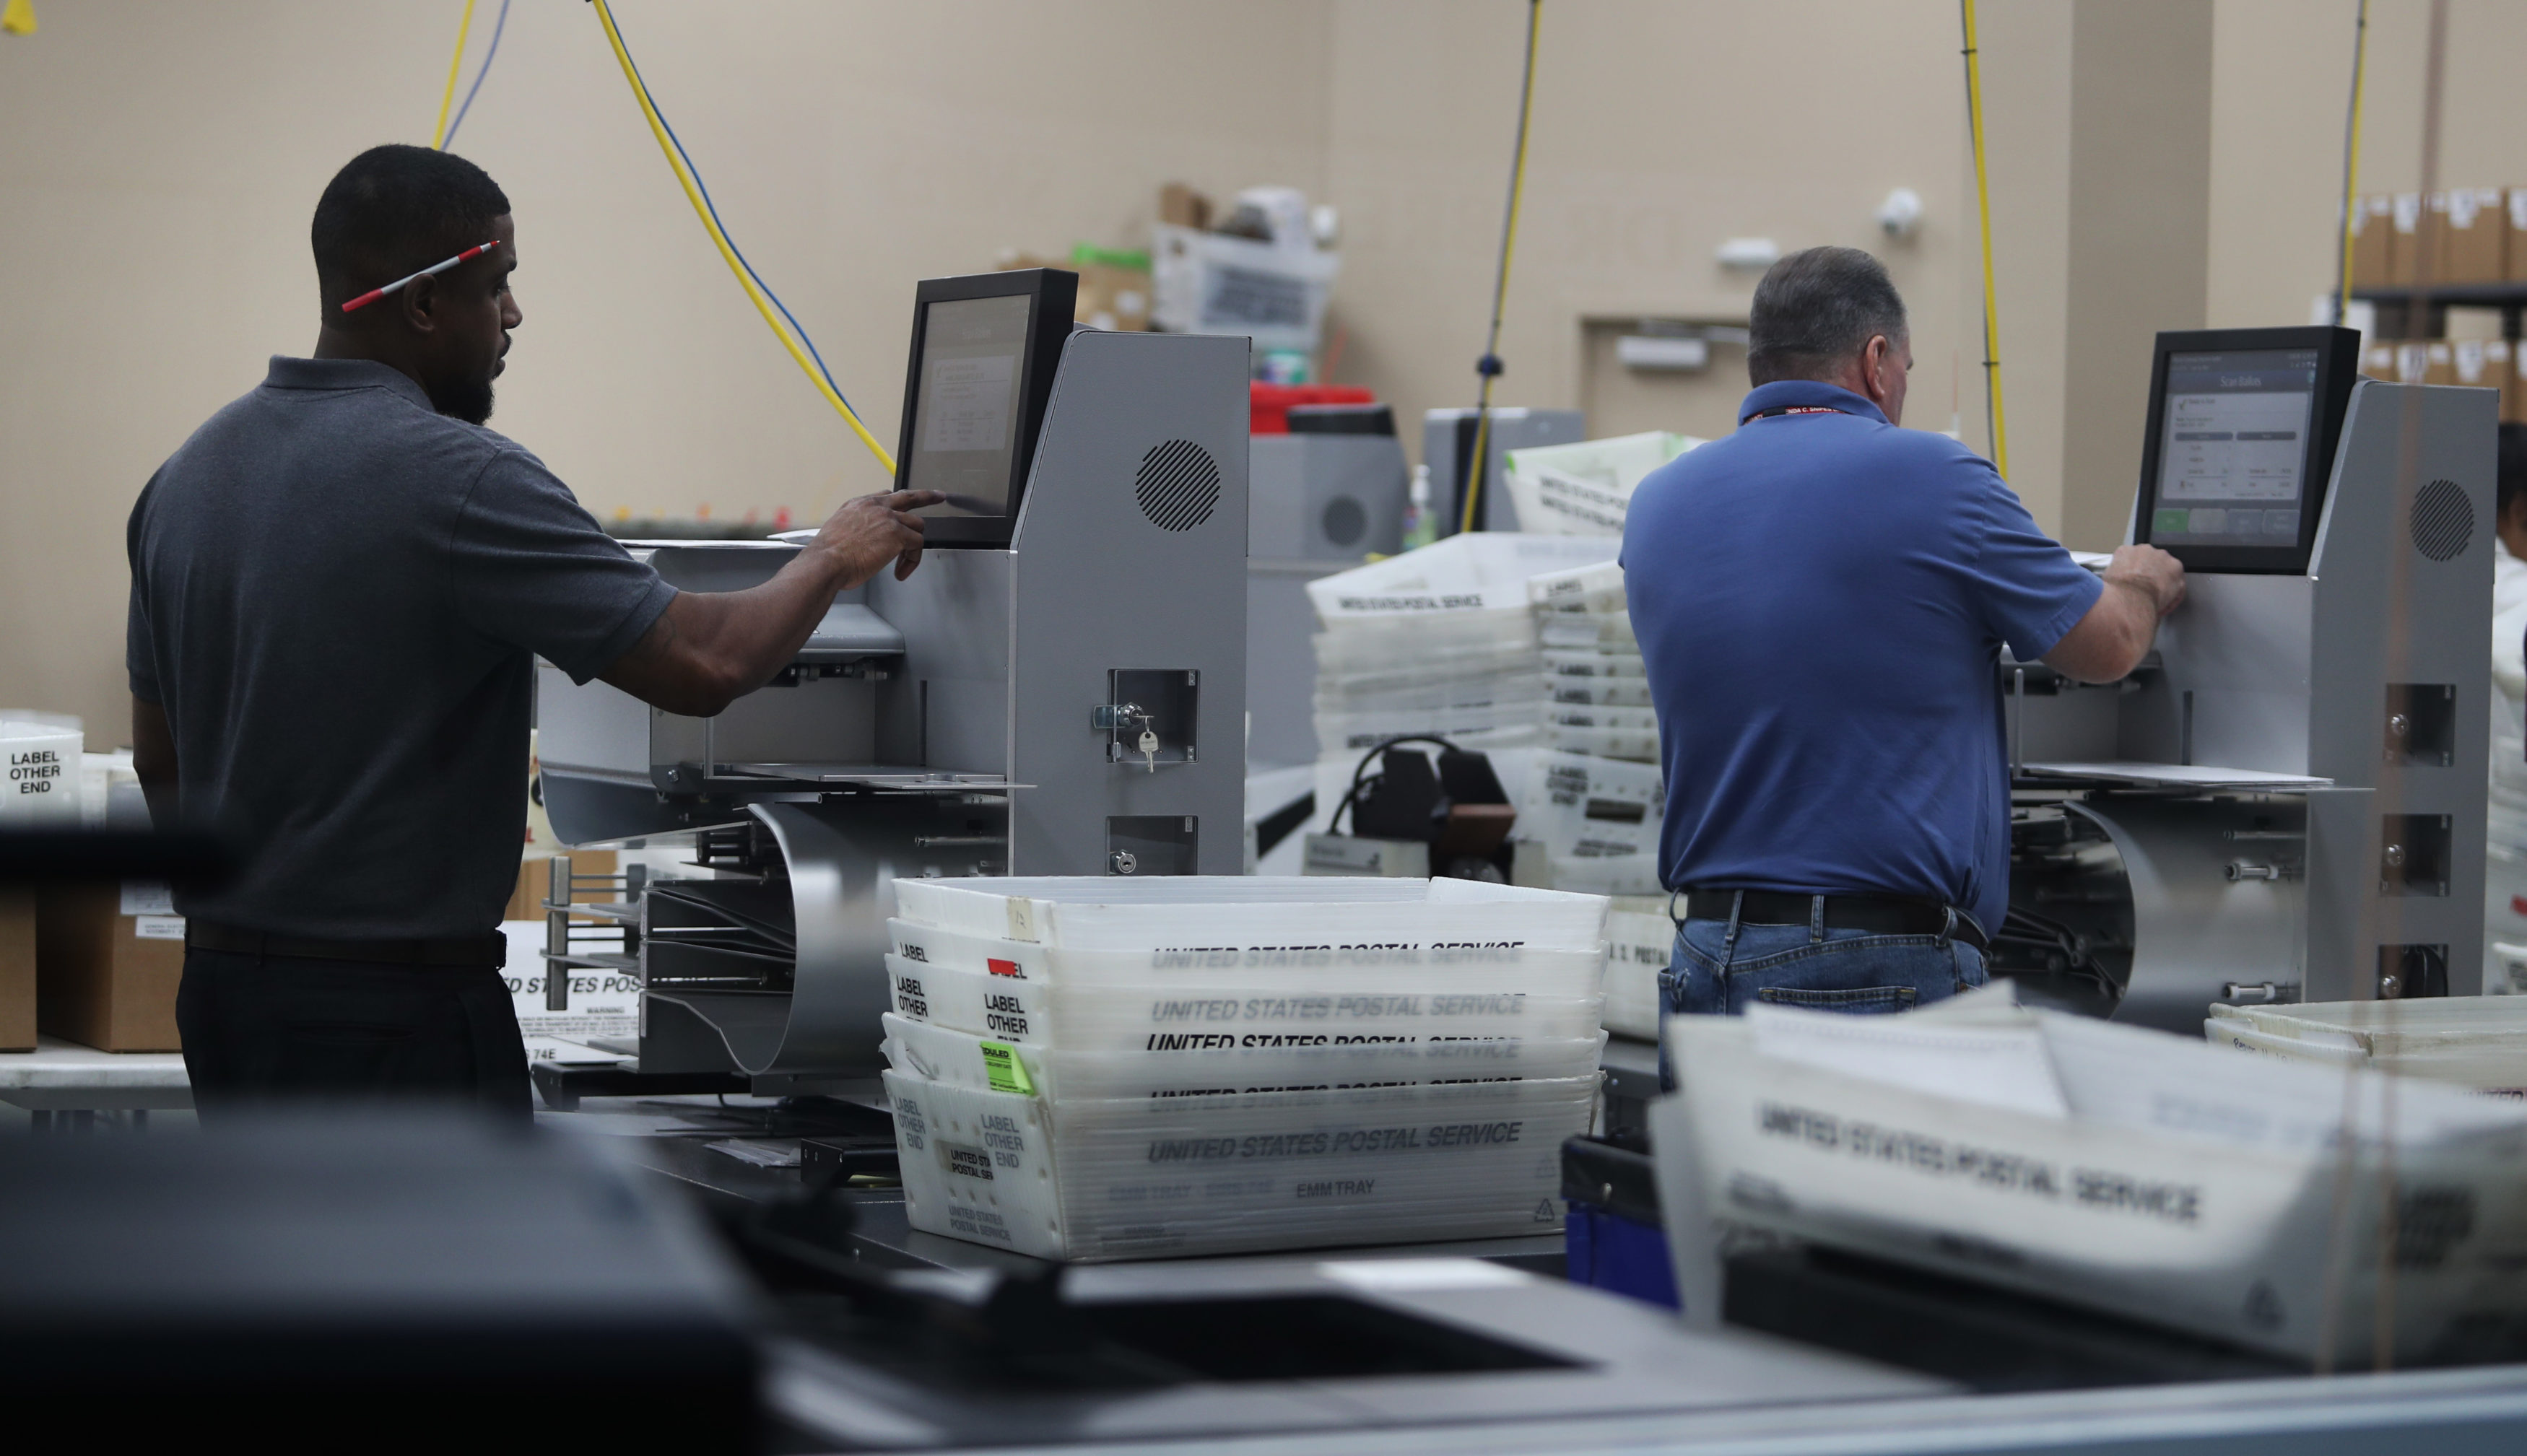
(1007, 1073)
(2175, 521)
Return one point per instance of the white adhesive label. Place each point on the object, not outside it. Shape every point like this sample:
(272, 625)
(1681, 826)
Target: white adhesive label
(147, 897)
(158, 927)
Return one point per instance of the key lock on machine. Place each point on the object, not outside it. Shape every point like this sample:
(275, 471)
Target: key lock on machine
(1148, 718)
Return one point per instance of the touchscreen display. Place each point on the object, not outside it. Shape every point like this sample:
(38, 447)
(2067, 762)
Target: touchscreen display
(2233, 456)
(964, 428)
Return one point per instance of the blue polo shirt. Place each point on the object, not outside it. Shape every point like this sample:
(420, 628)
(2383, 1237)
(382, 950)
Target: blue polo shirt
(1822, 598)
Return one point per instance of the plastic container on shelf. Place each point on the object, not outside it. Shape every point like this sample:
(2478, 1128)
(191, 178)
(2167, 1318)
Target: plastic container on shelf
(1631, 746)
(1114, 1179)
(1563, 662)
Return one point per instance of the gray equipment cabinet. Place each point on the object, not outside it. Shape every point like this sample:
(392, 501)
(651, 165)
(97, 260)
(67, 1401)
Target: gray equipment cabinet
(1070, 705)
(2286, 803)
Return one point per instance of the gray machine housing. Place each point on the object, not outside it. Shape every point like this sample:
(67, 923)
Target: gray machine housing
(1448, 435)
(984, 715)
(1316, 505)
(2367, 672)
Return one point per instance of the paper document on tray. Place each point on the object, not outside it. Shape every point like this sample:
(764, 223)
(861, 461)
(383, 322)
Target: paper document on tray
(1995, 1066)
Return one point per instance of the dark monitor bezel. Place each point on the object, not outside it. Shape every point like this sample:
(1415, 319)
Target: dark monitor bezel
(2338, 370)
(1054, 296)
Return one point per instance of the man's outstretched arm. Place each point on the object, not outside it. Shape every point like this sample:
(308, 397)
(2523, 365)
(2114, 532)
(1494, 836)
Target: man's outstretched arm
(711, 648)
(2143, 586)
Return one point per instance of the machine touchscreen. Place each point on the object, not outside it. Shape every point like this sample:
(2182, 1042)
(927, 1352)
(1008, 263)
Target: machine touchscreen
(2240, 443)
(984, 350)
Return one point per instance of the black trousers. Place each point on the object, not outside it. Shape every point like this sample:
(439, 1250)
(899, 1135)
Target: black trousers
(259, 1029)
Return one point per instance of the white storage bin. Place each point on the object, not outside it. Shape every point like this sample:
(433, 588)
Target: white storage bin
(1597, 587)
(1269, 919)
(43, 764)
(2471, 1041)
(1578, 632)
(1065, 1075)
(1637, 948)
(1585, 662)
(1381, 969)
(1143, 1018)
(2152, 1176)
(1609, 692)
(1477, 570)
(1630, 745)
(1159, 1176)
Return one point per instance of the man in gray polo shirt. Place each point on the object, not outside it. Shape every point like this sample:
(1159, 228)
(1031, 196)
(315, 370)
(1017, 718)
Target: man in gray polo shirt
(338, 587)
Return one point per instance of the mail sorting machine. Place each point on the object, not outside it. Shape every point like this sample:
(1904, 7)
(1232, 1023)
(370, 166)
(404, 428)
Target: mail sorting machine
(1059, 690)
(2287, 801)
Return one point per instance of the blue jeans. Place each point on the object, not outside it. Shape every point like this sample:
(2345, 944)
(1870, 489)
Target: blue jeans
(1847, 971)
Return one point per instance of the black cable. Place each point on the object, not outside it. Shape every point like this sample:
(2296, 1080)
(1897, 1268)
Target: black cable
(1360, 777)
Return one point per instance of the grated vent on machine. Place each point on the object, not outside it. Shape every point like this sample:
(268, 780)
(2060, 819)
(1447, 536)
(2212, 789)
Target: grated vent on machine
(2443, 520)
(1178, 485)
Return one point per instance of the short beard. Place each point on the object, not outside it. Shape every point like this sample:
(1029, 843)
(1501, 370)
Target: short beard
(469, 400)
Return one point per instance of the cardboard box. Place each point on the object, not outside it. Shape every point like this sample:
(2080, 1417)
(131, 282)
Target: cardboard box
(107, 958)
(2378, 361)
(17, 970)
(527, 900)
(2409, 223)
(2516, 267)
(2473, 227)
(2486, 364)
(2439, 362)
(1180, 206)
(2373, 242)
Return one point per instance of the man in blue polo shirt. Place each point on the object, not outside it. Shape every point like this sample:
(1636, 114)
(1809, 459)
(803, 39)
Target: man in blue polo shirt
(1822, 598)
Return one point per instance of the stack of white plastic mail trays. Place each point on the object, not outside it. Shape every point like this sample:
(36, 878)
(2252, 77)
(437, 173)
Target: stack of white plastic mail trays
(1100, 1069)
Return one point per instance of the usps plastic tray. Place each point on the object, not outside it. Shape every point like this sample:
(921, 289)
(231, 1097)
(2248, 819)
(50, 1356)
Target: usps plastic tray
(1598, 587)
(1609, 692)
(1591, 663)
(1637, 948)
(1383, 969)
(1560, 631)
(1155, 1019)
(2471, 1041)
(1628, 745)
(1258, 915)
(1161, 1176)
(1220, 1067)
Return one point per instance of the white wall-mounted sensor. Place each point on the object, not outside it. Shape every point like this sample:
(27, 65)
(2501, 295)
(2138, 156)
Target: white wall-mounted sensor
(1900, 214)
(1755, 253)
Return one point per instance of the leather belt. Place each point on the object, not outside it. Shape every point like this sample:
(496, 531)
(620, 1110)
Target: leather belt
(492, 951)
(1878, 915)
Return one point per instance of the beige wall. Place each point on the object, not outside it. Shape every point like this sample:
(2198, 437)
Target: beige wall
(158, 164)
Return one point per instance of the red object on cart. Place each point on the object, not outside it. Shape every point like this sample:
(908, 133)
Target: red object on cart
(1269, 404)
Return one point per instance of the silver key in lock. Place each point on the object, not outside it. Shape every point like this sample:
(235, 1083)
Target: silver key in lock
(1150, 745)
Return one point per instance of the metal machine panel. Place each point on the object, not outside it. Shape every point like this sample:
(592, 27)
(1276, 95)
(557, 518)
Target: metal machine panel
(2234, 690)
(2403, 566)
(1325, 497)
(1131, 554)
(949, 709)
(842, 859)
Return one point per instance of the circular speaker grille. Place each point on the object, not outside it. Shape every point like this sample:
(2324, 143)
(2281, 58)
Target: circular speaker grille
(1344, 521)
(1178, 485)
(2443, 520)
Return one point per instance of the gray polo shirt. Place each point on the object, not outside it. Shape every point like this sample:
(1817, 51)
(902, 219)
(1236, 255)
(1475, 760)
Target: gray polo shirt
(337, 594)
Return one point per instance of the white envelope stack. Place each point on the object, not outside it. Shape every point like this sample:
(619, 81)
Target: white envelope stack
(1097, 1068)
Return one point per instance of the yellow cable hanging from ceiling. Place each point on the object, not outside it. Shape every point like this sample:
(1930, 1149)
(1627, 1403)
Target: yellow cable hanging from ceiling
(438, 134)
(1982, 204)
(2352, 155)
(1489, 365)
(754, 295)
